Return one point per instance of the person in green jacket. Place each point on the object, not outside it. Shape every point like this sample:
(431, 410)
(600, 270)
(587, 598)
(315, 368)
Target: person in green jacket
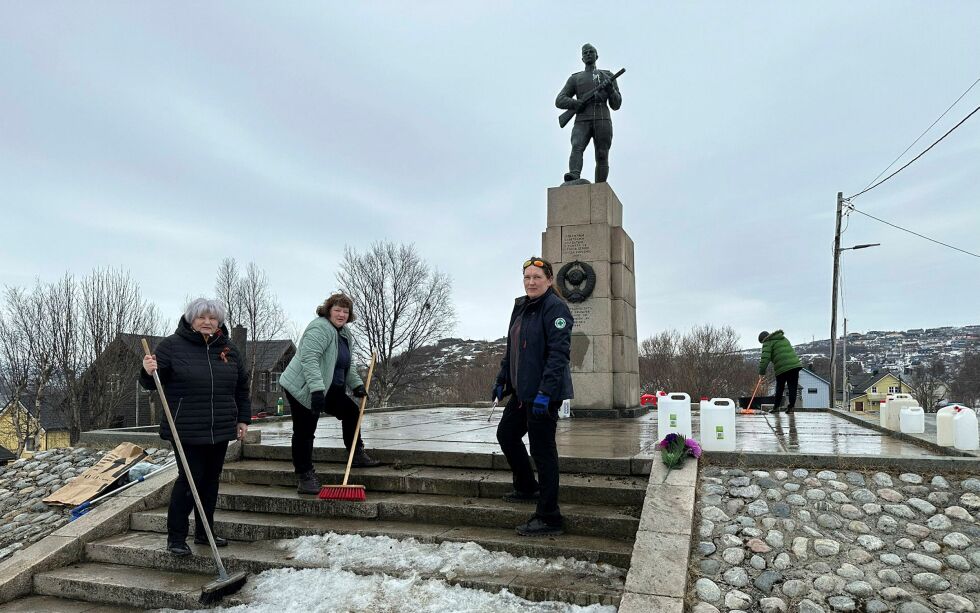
(316, 381)
(777, 349)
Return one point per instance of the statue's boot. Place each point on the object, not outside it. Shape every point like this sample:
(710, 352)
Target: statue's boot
(601, 173)
(571, 176)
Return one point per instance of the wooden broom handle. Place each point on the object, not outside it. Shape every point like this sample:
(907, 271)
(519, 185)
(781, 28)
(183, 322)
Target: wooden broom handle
(360, 417)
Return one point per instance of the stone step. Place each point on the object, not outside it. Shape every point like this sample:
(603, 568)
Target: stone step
(148, 550)
(454, 459)
(620, 490)
(248, 526)
(51, 604)
(589, 520)
(133, 586)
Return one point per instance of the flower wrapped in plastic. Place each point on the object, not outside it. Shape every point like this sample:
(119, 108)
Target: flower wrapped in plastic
(674, 448)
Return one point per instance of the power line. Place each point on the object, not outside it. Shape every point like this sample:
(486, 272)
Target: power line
(909, 163)
(938, 119)
(888, 223)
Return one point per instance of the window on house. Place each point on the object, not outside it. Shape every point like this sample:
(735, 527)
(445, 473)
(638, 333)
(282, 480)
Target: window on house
(874, 389)
(811, 390)
(274, 381)
(113, 383)
(29, 444)
(894, 389)
(263, 382)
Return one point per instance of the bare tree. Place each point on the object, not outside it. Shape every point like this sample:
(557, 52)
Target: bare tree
(25, 362)
(658, 355)
(251, 304)
(706, 361)
(82, 319)
(966, 384)
(112, 303)
(928, 382)
(227, 288)
(259, 309)
(401, 306)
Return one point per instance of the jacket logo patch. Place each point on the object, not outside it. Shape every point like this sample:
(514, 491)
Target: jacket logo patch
(560, 323)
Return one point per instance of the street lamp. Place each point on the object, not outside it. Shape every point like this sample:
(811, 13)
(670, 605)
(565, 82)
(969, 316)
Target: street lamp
(833, 344)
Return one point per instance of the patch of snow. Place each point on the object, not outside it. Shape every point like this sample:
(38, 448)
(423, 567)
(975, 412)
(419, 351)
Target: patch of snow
(450, 560)
(320, 590)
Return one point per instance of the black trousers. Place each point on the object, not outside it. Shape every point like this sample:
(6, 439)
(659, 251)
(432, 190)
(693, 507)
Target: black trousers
(205, 462)
(339, 405)
(790, 380)
(600, 132)
(517, 421)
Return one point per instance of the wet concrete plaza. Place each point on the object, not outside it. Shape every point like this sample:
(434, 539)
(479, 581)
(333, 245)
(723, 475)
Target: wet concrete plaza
(467, 430)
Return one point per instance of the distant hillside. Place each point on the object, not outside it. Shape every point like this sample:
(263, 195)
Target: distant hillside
(897, 350)
(454, 370)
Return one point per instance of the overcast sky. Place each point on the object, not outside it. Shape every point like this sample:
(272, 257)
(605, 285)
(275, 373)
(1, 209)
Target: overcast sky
(165, 136)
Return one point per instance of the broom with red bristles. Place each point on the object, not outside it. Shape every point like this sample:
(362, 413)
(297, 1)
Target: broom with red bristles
(748, 408)
(343, 491)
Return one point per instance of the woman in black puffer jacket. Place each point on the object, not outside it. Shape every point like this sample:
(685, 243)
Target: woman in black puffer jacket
(207, 390)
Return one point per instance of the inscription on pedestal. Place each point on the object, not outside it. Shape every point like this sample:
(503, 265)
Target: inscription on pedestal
(575, 246)
(582, 312)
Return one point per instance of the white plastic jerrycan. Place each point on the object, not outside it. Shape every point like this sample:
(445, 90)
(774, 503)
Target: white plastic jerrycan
(895, 406)
(944, 425)
(718, 425)
(912, 420)
(674, 414)
(883, 410)
(967, 436)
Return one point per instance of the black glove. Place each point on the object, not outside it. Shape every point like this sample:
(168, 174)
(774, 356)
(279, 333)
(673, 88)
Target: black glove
(318, 402)
(359, 392)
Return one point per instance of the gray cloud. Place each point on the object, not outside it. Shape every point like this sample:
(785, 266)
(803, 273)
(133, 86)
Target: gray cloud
(166, 137)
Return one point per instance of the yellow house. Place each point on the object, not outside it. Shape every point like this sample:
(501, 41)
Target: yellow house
(867, 392)
(18, 424)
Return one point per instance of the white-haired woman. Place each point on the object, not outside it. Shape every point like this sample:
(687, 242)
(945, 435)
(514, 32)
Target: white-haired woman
(207, 389)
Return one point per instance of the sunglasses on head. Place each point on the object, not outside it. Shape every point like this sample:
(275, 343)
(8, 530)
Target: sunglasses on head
(535, 262)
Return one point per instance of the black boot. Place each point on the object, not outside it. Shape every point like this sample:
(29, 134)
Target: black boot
(363, 460)
(523, 497)
(537, 527)
(308, 483)
(178, 548)
(202, 539)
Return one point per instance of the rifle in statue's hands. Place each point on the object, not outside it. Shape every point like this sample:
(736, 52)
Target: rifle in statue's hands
(565, 117)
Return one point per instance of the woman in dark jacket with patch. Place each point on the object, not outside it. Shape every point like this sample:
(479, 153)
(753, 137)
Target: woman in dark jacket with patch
(535, 371)
(207, 389)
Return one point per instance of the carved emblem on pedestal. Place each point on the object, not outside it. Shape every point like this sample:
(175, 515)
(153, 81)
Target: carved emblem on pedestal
(576, 280)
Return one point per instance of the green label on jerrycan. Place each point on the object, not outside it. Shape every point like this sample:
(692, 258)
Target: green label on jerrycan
(673, 420)
(720, 432)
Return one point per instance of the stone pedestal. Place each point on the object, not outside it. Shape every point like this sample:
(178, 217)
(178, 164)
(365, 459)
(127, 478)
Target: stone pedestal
(585, 223)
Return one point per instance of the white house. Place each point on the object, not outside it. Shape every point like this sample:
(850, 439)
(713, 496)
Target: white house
(814, 391)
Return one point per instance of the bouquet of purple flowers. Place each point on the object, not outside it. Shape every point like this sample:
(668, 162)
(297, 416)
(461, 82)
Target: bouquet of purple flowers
(674, 448)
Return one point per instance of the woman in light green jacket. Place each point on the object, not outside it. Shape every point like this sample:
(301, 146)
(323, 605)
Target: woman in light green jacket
(316, 381)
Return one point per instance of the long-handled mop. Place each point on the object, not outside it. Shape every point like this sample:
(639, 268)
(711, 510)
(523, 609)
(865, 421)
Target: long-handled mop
(225, 584)
(343, 491)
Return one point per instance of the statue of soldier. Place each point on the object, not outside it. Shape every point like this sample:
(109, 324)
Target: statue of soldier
(592, 121)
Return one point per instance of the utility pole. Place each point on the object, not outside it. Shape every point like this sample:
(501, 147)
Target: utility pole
(833, 305)
(847, 405)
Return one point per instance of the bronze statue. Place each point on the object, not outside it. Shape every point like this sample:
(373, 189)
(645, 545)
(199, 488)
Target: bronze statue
(595, 91)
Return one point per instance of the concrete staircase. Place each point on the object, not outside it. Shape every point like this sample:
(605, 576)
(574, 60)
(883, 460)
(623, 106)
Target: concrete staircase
(430, 496)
